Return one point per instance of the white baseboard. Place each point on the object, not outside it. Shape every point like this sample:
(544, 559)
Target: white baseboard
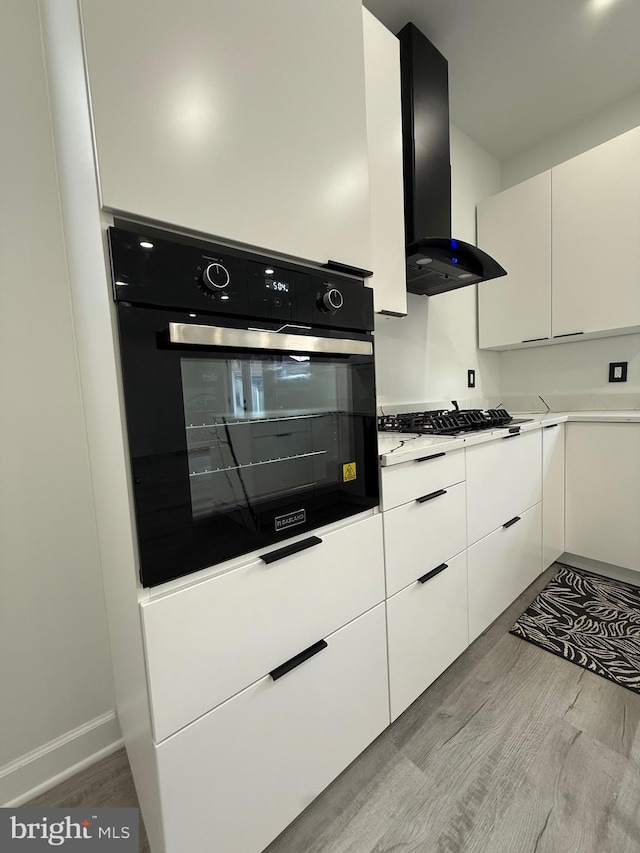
(609, 571)
(44, 768)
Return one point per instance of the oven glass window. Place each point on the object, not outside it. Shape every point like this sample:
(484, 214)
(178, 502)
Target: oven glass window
(261, 428)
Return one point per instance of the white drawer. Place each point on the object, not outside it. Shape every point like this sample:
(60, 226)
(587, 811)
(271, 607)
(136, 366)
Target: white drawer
(418, 536)
(209, 641)
(233, 780)
(435, 470)
(501, 566)
(504, 478)
(427, 625)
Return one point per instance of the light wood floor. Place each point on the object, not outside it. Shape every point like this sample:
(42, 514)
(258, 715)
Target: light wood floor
(512, 750)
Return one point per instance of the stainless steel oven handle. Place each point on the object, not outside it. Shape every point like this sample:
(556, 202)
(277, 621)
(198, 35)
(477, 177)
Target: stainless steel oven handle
(219, 336)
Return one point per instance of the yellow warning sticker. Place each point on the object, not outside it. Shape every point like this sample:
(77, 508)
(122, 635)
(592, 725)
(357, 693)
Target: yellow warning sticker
(349, 472)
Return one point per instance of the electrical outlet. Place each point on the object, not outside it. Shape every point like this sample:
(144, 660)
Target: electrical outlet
(471, 379)
(618, 371)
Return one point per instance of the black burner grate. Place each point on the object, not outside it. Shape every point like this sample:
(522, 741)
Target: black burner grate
(444, 421)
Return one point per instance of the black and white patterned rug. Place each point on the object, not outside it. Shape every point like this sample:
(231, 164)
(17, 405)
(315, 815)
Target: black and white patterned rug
(589, 620)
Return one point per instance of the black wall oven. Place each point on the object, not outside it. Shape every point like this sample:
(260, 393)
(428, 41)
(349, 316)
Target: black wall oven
(249, 395)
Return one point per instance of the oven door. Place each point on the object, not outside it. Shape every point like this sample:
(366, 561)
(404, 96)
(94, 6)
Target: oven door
(241, 438)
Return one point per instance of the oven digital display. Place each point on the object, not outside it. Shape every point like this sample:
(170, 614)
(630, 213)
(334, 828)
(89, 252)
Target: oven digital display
(279, 286)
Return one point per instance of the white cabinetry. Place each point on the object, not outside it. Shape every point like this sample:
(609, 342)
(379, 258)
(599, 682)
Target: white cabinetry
(515, 227)
(428, 629)
(503, 480)
(569, 240)
(603, 493)
(210, 640)
(501, 566)
(504, 523)
(553, 458)
(422, 534)
(426, 570)
(241, 120)
(596, 249)
(231, 781)
(233, 737)
(384, 132)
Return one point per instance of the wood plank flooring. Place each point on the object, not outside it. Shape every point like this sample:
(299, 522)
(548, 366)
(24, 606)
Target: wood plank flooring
(512, 750)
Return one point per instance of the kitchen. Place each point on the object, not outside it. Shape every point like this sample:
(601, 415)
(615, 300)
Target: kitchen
(423, 358)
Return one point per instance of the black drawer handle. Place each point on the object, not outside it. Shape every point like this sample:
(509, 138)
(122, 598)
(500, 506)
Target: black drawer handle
(433, 573)
(511, 522)
(551, 426)
(431, 496)
(531, 340)
(293, 662)
(569, 335)
(513, 435)
(433, 456)
(272, 556)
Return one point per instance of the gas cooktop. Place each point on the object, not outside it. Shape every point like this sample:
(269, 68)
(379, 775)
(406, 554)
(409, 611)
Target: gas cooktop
(448, 421)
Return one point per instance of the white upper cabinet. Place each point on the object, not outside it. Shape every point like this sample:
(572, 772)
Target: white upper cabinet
(570, 241)
(596, 244)
(245, 121)
(384, 131)
(515, 228)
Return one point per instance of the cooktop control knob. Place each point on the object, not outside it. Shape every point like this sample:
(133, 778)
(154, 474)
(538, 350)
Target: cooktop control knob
(331, 300)
(215, 275)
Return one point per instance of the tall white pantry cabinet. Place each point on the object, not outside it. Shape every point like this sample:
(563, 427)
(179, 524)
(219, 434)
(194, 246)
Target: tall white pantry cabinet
(245, 122)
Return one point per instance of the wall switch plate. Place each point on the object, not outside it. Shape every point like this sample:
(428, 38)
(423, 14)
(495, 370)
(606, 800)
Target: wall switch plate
(471, 379)
(618, 371)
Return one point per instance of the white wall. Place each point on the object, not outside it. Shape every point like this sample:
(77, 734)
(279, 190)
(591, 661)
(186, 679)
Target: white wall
(57, 693)
(580, 367)
(425, 356)
(602, 126)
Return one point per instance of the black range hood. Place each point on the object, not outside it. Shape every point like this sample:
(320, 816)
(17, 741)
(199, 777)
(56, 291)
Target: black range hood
(436, 262)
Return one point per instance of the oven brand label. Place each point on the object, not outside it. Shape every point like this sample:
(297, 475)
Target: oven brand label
(291, 519)
(349, 472)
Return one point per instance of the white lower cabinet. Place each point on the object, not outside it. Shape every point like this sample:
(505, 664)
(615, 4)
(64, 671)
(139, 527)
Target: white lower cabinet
(437, 469)
(553, 458)
(422, 534)
(428, 630)
(501, 566)
(209, 641)
(231, 781)
(504, 477)
(603, 492)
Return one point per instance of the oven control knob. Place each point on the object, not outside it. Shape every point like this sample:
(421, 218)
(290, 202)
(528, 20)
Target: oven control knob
(331, 300)
(216, 276)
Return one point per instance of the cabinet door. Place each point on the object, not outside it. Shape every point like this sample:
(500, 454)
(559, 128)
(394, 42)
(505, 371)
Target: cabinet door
(212, 639)
(501, 566)
(596, 250)
(515, 228)
(552, 493)
(422, 534)
(603, 493)
(504, 478)
(435, 470)
(231, 781)
(384, 133)
(241, 120)
(427, 624)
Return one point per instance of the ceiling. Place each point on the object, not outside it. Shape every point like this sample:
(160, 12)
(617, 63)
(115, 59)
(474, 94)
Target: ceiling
(521, 71)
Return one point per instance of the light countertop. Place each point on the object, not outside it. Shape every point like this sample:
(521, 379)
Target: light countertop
(396, 447)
